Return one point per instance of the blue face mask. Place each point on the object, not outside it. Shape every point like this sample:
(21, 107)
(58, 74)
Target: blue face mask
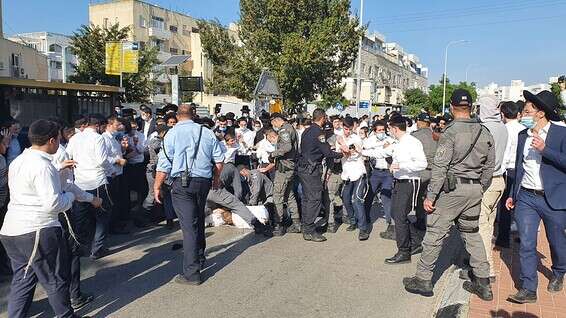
(222, 129)
(381, 136)
(527, 122)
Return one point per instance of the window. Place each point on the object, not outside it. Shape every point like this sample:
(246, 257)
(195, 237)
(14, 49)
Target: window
(143, 23)
(173, 50)
(58, 65)
(15, 60)
(158, 23)
(183, 52)
(173, 28)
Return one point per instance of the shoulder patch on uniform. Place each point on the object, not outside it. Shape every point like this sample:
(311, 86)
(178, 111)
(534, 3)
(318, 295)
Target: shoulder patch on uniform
(322, 138)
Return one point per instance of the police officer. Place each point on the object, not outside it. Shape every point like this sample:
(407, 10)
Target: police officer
(314, 149)
(284, 156)
(424, 135)
(332, 181)
(194, 162)
(461, 172)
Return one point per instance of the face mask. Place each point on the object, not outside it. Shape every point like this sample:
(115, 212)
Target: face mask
(381, 136)
(528, 122)
(276, 128)
(222, 129)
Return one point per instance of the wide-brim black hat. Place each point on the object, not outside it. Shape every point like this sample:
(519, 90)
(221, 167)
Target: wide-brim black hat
(545, 101)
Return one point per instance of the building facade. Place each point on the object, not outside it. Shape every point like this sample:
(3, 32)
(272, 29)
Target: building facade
(387, 71)
(513, 92)
(174, 33)
(60, 61)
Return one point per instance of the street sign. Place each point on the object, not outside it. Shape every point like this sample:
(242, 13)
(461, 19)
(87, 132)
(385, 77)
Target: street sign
(190, 84)
(121, 57)
(364, 104)
(339, 106)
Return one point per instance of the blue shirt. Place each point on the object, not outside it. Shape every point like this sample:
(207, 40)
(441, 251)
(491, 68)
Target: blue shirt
(179, 145)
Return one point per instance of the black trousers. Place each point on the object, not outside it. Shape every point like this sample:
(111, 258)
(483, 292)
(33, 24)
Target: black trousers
(406, 232)
(136, 181)
(311, 202)
(49, 268)
(189, 203)
(121, 199)
(505, 216)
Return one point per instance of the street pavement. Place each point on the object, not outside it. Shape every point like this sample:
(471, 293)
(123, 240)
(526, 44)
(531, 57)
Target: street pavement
(248, 275)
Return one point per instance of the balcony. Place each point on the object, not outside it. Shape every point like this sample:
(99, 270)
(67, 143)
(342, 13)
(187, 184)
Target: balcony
(159, 33)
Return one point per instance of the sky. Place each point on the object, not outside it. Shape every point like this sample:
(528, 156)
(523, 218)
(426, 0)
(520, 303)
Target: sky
(508, 39)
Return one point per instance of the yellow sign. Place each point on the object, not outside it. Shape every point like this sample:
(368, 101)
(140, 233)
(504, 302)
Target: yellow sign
(131, 56)
(276, 106)
(121, 58)
(113, 58)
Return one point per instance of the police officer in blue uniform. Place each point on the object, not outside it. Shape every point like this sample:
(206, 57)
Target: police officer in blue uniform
(191, 155)
(314, 149)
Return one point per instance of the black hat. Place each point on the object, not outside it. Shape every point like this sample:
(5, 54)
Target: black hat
(170, 108)
(245, 109)
(461, 97)
(127, 112)
(423, 117)
(562, 79)
(159, 112)
(277, 115)
(545, 101)
(145, 109)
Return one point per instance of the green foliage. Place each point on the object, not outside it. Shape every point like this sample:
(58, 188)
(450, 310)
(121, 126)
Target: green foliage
(415, 100)
(555, 88)
(309, 45)
(88, 43)
(331, 97)
(435, 93)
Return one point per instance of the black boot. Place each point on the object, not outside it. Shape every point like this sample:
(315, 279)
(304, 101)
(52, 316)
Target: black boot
(261, 228)
(416, 249)
(314, 237)
(363, 235)
(351, 227)
(480, 287)
(556, 284)
(399, 258)
(278, 230)
(333, 227)
(523, 297)
(295, 227)
(389, 234)
(418, 286)
(81, 301)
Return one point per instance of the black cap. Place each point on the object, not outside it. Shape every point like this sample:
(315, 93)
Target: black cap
(562, 79)
(461, 97)
(277, 115)
(145, 109)
(423, 117)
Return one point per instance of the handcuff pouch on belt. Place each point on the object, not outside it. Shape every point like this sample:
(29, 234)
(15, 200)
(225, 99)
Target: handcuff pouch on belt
(186, 175)
(450, 180)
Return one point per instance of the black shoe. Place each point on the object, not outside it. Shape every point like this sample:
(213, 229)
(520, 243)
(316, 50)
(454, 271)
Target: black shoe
(260, 228)
(416, 250)
(194, 280)
(523, 297)
(119, 231)
(100, 253)
(278, 230)
(363, 235)
(480, 287)
(399, 258)
(202, 262)
(389, 234)
(314, 237)
(176, 246)
(556, 284)
(141, 224)
(502, 243)
(294, 228)
(81, 301)
(346, 220)
(418, 286)
(333, 227)
(170, 225)
(351, 227)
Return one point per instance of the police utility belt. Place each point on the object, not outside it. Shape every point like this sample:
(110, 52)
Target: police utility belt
(451, 181)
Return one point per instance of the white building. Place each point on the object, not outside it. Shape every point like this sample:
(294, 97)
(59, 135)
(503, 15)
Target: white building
(387, 72)
(514, 92)
(60, 61)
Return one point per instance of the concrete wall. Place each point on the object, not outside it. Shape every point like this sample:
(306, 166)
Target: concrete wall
(32, 65)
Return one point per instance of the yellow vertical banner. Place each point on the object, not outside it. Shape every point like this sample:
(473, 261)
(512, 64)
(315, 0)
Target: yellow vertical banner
(130, 55)
(113, 60)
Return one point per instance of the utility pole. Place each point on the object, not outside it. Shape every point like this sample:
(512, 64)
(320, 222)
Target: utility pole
(359, 82)
(445, 71)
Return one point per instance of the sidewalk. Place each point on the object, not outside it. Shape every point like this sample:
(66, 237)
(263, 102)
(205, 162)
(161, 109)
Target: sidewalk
(507, 266)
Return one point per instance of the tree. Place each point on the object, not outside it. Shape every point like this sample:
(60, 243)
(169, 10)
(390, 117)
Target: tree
(310, 46)
(416, 100)
(88, 44)
(436, 92)
(556, 90)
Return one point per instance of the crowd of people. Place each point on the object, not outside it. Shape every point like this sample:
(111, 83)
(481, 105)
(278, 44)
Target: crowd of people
(486, 170)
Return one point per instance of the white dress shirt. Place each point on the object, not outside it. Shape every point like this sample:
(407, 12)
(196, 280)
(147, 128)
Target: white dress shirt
(353, 167)
(247, 136)
(264, 148)
(89, 151)
(66, 176)
(146, 126)
(36, 196)
(136, 156)
(408, 153)
(513, 129)
(229, 152)
(373, 148)
(531, 161)
(114, 154)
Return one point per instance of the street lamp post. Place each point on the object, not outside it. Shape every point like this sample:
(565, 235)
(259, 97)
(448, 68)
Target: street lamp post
(359, 82)
(468, 69)
(445, 70)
